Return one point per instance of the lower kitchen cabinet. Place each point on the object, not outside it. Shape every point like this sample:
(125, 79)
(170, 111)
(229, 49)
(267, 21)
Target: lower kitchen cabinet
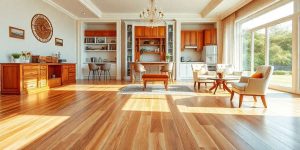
(186, 71)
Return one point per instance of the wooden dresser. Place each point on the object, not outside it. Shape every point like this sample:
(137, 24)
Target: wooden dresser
(23, 78)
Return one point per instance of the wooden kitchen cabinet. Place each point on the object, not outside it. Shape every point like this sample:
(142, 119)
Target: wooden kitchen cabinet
(139, 31)
(210, 37)
(200, 40)
(187, 38)
(193, 38)
(161, 31)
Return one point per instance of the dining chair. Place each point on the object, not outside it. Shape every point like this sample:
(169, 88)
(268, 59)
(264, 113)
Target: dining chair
(93, 68)
(168, 68)
(105, 68)
(139, 69)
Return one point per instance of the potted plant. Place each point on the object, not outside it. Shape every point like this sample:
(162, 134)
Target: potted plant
(26, 56)
(16, 57)
(168, 57)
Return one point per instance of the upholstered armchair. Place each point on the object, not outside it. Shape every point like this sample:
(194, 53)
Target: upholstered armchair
(202, 75)
(228, 70)
(249, 86)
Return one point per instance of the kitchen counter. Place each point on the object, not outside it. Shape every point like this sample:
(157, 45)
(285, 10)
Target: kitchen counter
(192, 62)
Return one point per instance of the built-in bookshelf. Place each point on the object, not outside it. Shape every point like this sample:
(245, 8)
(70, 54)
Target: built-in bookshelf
(100, 44)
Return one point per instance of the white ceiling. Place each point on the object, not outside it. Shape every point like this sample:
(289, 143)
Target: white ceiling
(104, 8)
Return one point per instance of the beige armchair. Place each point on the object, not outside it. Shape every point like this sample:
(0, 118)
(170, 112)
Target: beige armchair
(202, 75)
(228, 70)
(248, 86)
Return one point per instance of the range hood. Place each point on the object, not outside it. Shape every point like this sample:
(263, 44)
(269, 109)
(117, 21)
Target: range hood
(191, 47)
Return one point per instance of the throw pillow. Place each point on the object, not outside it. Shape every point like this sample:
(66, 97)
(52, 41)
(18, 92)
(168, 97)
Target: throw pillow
(257, 75)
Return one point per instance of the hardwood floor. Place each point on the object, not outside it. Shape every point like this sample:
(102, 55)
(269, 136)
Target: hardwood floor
(91, 115)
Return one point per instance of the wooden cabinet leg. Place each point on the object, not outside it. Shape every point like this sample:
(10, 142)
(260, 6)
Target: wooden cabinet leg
(195, 84)
(231, 96)
(241, 100)
(263, 99)
(199, 85)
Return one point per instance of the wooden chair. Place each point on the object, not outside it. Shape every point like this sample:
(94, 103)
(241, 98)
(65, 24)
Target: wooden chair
(106, 69)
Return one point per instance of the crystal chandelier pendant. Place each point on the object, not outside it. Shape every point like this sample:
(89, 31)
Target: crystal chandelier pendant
(152, 14)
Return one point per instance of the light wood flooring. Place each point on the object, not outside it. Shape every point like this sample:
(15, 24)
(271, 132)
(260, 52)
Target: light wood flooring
(91, 115)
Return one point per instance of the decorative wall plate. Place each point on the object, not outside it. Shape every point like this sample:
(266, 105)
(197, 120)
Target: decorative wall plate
(41, 28)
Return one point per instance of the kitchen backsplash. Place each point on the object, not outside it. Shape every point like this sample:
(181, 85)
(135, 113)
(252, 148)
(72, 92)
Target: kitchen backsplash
(191, 55)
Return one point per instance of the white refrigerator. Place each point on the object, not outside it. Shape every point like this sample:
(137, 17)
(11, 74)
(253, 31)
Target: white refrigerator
(210, 56)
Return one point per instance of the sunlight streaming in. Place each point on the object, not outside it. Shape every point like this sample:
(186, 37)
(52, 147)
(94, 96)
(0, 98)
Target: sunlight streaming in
(150, 103)
(21, 130)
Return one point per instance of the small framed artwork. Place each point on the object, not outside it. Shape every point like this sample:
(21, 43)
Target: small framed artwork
(16, 33)
(59, 42)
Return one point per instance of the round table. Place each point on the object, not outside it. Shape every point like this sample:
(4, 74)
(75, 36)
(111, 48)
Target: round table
(222, 81)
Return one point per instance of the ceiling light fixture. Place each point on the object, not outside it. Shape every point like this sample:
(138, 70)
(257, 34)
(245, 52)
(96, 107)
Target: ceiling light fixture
(152, 14)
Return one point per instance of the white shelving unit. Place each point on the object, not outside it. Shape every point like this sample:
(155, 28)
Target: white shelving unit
(100, 44)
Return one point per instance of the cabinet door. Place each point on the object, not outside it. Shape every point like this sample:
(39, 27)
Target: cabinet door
(193, 38)
(207, 37)
(200, 40)
(139, 31)
(65, 74)
(182, 71)
(162, 31)
(43, 79)
(189, 71)
(187, 38)
(213, 36)
(10, 77)
(72, 73)
(182, 40)
(148, 32)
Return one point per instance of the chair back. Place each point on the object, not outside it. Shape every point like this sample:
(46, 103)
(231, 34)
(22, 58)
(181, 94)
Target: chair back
(266, 71)
(227, 69)
(106, 66)
(92, 66)
(139, 67)
(168, 67)
(202, 68)
(261, 88)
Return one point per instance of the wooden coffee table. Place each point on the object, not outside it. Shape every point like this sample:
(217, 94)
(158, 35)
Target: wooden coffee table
(221, 81)
(155, 77)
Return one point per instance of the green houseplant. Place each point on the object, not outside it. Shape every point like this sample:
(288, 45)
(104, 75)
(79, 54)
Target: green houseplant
(16, 57)
(168, 57)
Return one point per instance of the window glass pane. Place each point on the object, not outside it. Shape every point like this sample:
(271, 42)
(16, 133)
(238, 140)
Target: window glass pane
(281, 53)
(259, 47)
(246, 46)
(280, 12)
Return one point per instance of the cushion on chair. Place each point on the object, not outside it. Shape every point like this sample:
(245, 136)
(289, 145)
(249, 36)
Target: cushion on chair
(155, 76)
(240, 86)
(257, 75)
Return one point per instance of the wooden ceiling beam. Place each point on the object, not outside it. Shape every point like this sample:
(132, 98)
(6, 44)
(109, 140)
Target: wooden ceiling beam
(210, 7)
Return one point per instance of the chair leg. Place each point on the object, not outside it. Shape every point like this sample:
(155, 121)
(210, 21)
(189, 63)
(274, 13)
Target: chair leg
(89, 75)
(254, 97)
(100, 74)
(199, 84)
(205, 84)
(241, 100)
(195, 84)
(231, 96)
(263, 99)
(109, 75)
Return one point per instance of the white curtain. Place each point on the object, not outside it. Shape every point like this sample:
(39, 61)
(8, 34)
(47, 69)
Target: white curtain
(229, 55)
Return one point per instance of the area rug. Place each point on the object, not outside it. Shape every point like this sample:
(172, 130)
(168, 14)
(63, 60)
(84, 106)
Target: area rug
(157, 89)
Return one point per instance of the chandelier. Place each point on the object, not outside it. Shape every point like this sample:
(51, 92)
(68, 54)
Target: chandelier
(152, 14)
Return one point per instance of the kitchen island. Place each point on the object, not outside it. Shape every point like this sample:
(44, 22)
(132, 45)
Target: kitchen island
(146, 64)
(23, 78)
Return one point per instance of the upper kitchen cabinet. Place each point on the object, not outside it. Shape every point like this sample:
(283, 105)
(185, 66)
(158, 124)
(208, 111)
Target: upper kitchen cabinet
(190, 38)
(139, 31)
(151, 32)
(200, 40)
(210, 36)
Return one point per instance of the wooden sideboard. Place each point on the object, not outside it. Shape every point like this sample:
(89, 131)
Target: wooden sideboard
(23, 78)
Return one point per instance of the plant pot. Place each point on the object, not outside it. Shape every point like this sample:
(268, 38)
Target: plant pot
(16, 60)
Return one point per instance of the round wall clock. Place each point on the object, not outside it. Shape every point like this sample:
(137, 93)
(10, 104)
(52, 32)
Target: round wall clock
(41, 28)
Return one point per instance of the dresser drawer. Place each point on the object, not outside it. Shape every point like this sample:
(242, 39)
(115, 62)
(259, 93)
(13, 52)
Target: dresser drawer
(54, 82)
(30, 84)
(43, 72)
(72, 69)
(43, 67)
(30, 73)
(31, 67)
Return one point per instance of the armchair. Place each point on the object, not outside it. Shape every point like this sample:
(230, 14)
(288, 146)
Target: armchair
(202, 75)
(248, 86)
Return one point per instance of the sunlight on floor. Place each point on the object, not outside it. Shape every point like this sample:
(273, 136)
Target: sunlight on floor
(150, 103)
(21, 130)
(113, 88)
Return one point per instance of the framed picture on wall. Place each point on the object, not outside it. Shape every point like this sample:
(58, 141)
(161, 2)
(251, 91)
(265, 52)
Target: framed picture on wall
(16, 33)
(59, 42)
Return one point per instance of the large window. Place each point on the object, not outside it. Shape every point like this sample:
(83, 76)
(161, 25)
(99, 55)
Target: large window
(267, 40)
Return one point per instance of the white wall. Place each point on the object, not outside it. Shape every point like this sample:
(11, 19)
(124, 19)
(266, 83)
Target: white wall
(18, 13)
